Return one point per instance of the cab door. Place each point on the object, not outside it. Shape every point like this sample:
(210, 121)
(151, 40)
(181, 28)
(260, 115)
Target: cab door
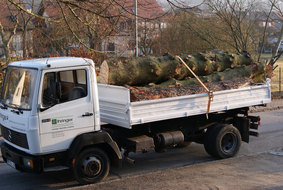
(66, 107)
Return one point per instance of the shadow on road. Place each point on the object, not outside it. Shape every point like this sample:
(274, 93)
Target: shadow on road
(173, 158)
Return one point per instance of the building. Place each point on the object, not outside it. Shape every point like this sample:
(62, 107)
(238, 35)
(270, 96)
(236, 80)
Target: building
(116, 34)
(151, 19)
(273, 28)
(16, 31)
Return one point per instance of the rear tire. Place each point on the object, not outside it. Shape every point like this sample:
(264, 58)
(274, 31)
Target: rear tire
(91, 166)
(222, 141)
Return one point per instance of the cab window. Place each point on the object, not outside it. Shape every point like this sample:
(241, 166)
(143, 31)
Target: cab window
(64, 86)
(67, 76)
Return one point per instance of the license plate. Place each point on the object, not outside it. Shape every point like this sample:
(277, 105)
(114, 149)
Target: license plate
(12, 164)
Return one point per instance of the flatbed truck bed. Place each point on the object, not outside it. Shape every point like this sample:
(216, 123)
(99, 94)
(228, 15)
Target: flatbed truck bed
(116, 107)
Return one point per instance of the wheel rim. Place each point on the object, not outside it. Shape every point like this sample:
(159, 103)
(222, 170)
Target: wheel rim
(91, 166)
(229, 143)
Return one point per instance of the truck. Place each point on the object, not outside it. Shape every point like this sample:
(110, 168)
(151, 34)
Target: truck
(54, 115)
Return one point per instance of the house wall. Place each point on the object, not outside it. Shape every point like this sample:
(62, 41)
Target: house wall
(123, 42)
(123, 45)
(16, 45)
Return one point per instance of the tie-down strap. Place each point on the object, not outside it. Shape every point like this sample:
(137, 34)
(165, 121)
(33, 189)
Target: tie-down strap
(210, 92)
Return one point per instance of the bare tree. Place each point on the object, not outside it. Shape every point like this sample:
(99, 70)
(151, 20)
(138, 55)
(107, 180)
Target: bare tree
(25, 26)
(226, 24)
(85, 19)
(8, 33)
(91, 21)
(88, 21)
(147, 37)
(273, 4)
(239, 17)
(275, 52)
(6, 41)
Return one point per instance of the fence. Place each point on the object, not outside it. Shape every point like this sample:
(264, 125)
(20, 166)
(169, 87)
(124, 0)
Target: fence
(276, 81)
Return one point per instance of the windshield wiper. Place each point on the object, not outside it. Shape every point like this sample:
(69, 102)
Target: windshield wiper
(3, 106)
(18, 111)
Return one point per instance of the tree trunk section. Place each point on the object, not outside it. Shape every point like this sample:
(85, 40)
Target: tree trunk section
(145, 70)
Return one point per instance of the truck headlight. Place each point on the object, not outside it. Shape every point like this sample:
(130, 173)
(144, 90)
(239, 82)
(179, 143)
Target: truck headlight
(28, 163)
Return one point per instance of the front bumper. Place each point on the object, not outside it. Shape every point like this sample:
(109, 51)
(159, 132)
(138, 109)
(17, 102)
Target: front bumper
(17, 158)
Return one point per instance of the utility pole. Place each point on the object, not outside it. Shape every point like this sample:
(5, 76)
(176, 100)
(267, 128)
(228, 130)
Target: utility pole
(136, 30)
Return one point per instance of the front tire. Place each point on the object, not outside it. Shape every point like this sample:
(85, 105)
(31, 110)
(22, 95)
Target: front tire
(222, 141)
(91, 166)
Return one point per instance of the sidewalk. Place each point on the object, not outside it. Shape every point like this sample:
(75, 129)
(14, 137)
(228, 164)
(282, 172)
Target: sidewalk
(276, 104)
(261, 171)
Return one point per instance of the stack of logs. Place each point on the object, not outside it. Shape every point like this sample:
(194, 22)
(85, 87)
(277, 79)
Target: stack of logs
(166, 76)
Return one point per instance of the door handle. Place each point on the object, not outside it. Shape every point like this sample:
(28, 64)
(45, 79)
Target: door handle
(87, 114)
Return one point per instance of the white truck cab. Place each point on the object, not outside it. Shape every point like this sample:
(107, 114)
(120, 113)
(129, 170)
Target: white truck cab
(45, 105)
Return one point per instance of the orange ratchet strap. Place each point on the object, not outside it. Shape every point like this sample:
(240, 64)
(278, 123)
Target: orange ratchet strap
(210, 92)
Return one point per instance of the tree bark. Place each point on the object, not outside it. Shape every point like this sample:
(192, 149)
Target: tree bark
(7, 41)
(228, 74)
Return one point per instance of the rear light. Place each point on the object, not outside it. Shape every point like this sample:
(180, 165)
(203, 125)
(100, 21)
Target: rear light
(51, 159)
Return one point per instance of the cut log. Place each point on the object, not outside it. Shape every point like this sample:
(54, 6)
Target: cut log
(139, 71)
(228, 74)
(260, 72)
(144, 70)
(104, 72)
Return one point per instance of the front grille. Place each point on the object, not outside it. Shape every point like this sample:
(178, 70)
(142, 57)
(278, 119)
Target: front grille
(15, 137)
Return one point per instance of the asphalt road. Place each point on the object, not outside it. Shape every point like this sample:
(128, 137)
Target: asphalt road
(271, 132)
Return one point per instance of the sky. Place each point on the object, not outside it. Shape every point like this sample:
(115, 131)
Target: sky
(264, 3)
(164, 3)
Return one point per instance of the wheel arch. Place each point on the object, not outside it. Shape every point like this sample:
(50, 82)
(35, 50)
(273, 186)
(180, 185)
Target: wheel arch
(100, 139)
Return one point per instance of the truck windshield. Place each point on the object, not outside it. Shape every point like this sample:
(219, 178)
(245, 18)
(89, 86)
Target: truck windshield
(18, 87)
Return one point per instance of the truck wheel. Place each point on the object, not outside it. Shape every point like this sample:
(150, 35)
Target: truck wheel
(92, 165)
(222, 141)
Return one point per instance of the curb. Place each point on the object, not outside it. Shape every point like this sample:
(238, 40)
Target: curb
(263, 109)
(275, 104)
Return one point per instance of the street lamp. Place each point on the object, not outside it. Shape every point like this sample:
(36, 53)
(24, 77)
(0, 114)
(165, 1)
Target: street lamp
(136, 30)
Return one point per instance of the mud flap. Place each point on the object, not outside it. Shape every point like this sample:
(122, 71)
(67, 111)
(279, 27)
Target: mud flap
(243, 125)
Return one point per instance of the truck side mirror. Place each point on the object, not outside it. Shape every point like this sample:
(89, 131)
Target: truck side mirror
(40, 108)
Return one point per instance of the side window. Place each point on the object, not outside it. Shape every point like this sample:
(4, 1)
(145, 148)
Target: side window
(81, 77)
(49, 96)
(67, 76)
(64, 86)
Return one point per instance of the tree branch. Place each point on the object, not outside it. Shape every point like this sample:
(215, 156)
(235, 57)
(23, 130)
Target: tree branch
(30, 13)
(75, 35)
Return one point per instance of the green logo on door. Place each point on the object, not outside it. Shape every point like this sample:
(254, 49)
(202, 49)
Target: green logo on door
(54, 121)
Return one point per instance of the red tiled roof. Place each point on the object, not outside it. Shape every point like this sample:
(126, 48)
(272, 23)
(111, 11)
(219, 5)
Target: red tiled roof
(147, 9)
